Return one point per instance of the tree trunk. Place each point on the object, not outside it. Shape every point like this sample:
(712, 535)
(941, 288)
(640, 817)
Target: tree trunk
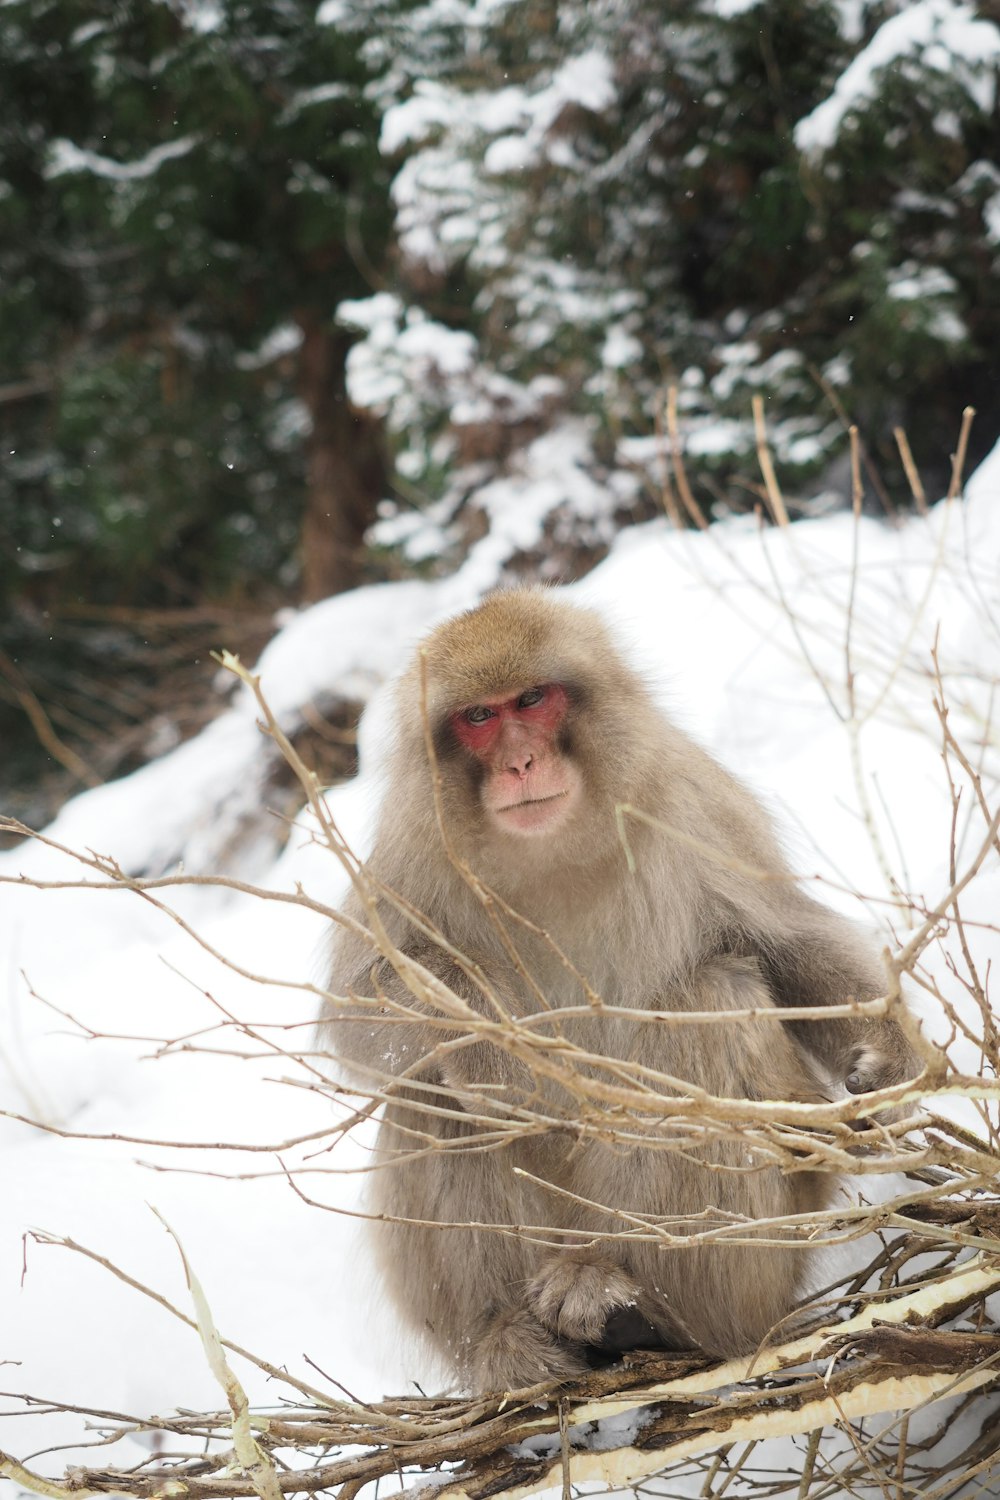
(346, 473)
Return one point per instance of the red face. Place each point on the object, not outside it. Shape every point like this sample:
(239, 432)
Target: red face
(530, 785)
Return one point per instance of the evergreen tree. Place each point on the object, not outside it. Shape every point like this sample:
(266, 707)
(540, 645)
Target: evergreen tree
(186, 193)
(794, 200)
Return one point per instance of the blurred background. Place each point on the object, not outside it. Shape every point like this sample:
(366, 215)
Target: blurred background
(295, 298)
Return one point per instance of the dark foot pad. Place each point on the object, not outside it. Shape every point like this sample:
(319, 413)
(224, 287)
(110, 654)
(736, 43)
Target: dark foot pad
(626, 1328)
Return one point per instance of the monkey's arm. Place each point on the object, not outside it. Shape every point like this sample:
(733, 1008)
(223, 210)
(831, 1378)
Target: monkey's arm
(810, 955)
(414, 1028)
(817, 959)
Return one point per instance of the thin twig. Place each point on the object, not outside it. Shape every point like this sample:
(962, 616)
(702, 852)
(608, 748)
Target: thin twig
(775, 498)
(690, 504)
(912, 472)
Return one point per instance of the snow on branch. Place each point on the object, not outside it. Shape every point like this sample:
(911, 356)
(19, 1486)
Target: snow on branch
(943, 36)
(65, 157)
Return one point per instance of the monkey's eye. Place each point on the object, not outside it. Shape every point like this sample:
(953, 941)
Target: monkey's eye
(478, 715)
(531, 697)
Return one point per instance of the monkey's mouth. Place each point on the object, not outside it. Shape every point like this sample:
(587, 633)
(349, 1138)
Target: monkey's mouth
(534, 815)
(531, 802)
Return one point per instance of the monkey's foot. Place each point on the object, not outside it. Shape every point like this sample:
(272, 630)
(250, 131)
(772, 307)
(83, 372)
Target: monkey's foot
(629, 1328)
(576, 1297)
(513, 1350)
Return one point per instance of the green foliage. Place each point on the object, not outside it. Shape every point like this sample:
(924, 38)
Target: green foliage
(149, 472)
(176, 184)
(184, 190)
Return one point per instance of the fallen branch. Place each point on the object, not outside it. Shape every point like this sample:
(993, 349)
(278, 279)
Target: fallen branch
(618, 1425)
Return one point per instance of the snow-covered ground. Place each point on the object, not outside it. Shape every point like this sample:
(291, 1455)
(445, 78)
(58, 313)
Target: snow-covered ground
(121, 1018)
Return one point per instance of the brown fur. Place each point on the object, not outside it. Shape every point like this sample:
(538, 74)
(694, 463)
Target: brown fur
(684, 931)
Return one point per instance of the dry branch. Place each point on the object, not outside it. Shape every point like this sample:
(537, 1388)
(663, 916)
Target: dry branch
(890, 1357)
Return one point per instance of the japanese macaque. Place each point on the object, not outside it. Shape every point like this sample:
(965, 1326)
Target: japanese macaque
(520, 732)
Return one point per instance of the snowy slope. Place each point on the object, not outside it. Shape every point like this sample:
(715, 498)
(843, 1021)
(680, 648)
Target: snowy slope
(118, 1022)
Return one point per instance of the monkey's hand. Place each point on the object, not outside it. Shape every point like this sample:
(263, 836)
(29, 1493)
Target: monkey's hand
(885, 1058)
(484, 1079)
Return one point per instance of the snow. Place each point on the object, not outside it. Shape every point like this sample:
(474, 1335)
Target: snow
(621, 349)
(913, 283)
(991, 218)
(445, 206)
(323, 93)
(550, 472)
(335, 13)
(618, 1431)
(508, 153)
(726, 9)
(942, 36)
(404, 358)
(65, 157)
(428, 108)
(118, 1019)
(585, 80)
(282, 340)
(204, 15)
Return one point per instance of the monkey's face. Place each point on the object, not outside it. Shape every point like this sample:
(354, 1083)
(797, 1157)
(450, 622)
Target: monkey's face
(528, 785)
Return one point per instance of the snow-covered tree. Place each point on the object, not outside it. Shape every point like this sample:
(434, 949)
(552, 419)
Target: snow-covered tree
(733, 198)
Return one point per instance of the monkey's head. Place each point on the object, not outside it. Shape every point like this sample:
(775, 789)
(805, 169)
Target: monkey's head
(534, 717)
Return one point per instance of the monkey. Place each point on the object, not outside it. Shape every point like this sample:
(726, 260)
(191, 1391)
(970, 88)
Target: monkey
(502, 868)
